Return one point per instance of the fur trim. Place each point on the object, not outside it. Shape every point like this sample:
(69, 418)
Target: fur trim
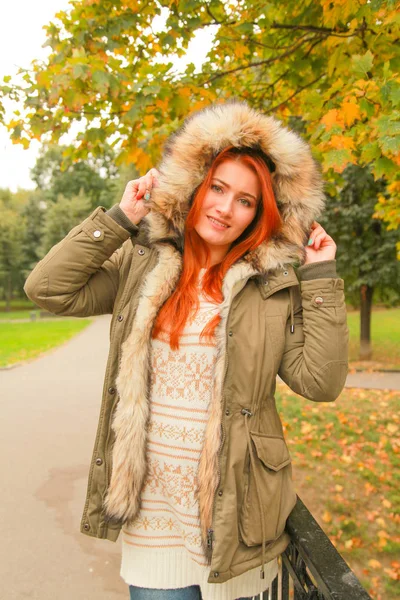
(131, 417)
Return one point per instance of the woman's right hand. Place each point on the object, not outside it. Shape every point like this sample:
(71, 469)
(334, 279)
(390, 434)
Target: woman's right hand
(136, 194)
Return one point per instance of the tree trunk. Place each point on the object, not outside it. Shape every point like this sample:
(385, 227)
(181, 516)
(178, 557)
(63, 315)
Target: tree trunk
(366, 292)
(8, 292)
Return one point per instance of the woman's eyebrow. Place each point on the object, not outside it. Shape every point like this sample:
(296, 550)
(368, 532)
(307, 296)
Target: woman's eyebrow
(228, 186)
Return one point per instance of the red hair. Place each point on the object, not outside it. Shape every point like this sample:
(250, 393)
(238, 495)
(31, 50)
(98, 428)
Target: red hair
(184, 301)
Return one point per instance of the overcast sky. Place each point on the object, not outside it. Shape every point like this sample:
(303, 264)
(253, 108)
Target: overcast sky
(21, 40)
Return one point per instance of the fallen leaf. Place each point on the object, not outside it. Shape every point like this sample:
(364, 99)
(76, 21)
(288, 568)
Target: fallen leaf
(327, 517)
(374, 564)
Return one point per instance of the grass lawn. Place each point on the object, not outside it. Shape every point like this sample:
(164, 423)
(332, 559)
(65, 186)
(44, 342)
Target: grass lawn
(19, 314)
(385, 333)
(346, 469)
(22, 341)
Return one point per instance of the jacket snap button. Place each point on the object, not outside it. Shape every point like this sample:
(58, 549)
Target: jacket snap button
(120, 318)
(220, 493)
(227, 412)
(86, 527)
(230, 334)
(216, 574)
(141, 251)
(319, 300)
(285, 273)
(111, 390)
(99, 461)
(266, 282)
(97, 233)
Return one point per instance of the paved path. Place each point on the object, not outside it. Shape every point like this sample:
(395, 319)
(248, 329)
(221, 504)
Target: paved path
(49, 410)
(378, 381)
(49, 415)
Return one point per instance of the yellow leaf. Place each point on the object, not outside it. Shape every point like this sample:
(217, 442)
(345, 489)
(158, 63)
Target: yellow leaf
(331, 118)
(392, 428)
(163, 104)
(339, 488)
(348, 544)
(340, 141)
(149, 120)
(374, 564)
(185, 91)
(386, 503)
(351, 112)
(327, 517)
(306, 427)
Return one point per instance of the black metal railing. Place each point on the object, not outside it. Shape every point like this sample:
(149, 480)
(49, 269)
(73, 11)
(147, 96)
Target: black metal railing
(311, 567)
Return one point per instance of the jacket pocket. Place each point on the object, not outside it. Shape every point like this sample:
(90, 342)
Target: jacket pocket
(274, 480)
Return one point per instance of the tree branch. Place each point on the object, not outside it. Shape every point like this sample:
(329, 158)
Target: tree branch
(301, 88)
(268, 61)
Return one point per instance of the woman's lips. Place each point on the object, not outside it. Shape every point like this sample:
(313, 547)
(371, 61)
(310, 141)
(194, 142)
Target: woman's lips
(217, 224)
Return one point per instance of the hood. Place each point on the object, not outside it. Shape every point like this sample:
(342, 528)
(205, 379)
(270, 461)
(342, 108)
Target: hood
(189, 152)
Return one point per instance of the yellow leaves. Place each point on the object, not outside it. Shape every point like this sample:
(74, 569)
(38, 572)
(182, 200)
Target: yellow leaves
(374, 564)
(306, 427)
(327, 517)
(369, 488)
(331, 118)
(392, 428)
(383, 537)
(340, 142)
(386, 503)
(394, 572)
(149, 121)
(240, 50)
(351, 112)
(163, 104)
(139, 158)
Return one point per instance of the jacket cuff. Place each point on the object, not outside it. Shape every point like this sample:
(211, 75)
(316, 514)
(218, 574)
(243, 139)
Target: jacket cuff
(120, 217)
(325, 269)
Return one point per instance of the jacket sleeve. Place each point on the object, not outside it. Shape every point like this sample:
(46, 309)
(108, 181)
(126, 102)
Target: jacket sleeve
(315, 359)
(80, 275)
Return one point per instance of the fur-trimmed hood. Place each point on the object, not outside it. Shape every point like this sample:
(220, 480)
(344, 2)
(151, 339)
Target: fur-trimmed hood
(189, 153)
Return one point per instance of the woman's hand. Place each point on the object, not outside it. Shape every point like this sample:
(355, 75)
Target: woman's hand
(136, 194)
(320, 245)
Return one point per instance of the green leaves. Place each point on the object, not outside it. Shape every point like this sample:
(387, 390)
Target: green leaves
(362, 64)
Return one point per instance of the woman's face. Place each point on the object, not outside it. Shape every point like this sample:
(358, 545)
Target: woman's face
(229, 206)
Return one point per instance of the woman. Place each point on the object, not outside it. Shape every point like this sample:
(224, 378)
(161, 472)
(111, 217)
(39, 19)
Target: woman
(190, 460)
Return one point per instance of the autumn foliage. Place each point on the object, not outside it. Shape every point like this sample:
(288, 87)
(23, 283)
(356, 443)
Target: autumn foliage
(112, 69)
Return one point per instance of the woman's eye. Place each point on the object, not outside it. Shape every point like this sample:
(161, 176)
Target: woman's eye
(216, 188)
(245, 201)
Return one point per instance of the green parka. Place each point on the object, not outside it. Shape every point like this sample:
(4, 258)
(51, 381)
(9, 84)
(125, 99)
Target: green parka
(274, 320)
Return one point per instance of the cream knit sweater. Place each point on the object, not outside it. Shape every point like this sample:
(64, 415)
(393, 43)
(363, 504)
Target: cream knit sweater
(162, 548)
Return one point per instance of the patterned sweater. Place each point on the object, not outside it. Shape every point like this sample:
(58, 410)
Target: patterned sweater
(162, 549)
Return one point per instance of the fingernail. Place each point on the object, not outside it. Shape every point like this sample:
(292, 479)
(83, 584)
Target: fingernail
(310, 242)
(147, 196)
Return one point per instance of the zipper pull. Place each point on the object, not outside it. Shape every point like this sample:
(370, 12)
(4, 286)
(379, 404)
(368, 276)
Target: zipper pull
(210, 538)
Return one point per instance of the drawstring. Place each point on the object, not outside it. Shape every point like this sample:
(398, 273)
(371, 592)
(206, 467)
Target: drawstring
(291, 310)
(247, 414)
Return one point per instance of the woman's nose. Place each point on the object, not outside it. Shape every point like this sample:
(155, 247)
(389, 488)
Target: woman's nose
(225, 206)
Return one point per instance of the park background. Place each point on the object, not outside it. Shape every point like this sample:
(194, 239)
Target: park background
(91, 109)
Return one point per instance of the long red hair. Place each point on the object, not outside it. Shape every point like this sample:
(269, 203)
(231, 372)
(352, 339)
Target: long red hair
(184, 301)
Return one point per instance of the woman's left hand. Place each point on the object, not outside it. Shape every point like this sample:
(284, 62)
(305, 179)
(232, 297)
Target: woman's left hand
(320, 245)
